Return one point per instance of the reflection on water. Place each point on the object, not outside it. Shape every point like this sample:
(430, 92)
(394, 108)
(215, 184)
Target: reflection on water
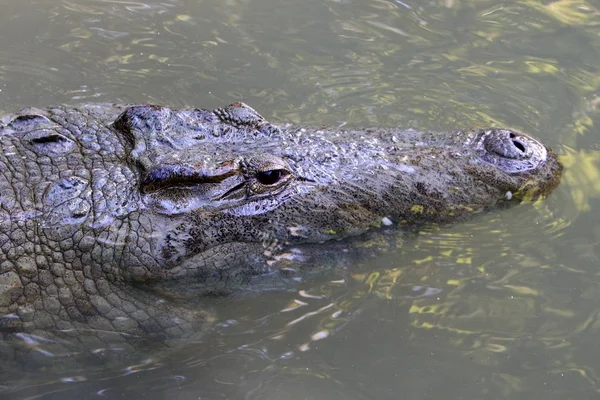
(502, 306)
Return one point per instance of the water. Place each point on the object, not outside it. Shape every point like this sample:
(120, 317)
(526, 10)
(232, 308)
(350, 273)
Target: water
(505, 305)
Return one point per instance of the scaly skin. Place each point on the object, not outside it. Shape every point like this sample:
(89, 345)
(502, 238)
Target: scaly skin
(94, 212)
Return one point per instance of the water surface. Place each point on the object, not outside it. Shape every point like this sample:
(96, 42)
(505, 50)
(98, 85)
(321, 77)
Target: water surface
(505, 305)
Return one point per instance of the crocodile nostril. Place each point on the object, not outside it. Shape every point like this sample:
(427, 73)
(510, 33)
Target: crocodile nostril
(518, 144)
(510, 151)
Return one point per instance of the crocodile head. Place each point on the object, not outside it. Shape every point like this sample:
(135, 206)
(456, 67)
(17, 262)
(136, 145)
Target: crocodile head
(226, 187)
(97, 197)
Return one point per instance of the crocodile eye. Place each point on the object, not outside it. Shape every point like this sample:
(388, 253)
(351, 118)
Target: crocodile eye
(270, 177)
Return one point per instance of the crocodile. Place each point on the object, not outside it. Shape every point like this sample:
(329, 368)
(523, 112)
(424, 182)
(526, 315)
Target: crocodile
(100, 202)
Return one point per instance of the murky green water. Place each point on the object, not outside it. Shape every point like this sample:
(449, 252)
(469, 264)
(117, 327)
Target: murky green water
(503, 306)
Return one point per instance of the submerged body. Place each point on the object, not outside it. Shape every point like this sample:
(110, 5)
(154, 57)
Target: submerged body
(99, 202)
